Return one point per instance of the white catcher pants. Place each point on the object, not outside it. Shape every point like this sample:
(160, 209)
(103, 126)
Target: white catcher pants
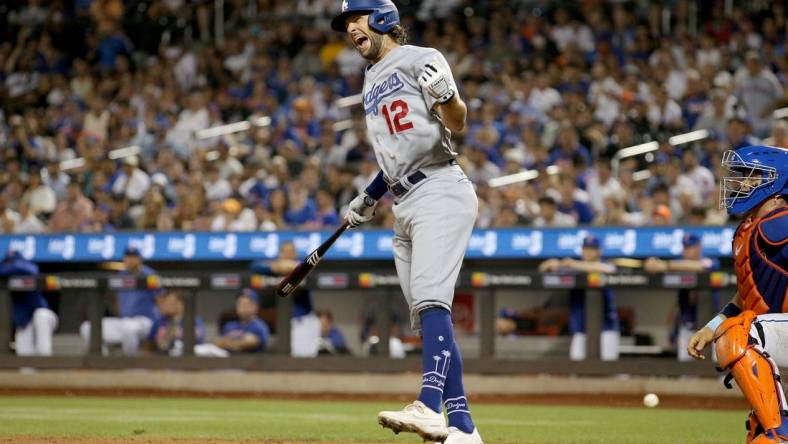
(35, 339)
(775, 336)
(432, 228)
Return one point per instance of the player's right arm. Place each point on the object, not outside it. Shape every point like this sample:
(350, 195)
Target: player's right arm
(705, 336)
(362, 209)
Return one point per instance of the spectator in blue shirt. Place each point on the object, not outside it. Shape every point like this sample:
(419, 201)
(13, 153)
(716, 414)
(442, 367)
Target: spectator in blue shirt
(34, 322)
(166, 334)
(568, 147)
(569, 204)
(135, 309)
(692, 260)
(327, 215)
(301, 208)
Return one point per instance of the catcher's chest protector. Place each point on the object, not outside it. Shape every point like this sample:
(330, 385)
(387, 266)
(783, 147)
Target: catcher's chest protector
(762, 283)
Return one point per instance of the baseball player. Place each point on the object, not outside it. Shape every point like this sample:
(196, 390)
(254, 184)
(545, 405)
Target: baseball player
(692, 260)
(166, 333)
(412, 105)
(590, 262)
(136, 309)
(304, 325)
(34, 321)
(750, 331)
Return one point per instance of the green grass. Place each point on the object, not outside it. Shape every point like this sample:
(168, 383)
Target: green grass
(346, 422)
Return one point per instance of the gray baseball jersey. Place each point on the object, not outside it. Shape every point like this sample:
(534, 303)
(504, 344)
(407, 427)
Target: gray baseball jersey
(401, 126)
(433, 222)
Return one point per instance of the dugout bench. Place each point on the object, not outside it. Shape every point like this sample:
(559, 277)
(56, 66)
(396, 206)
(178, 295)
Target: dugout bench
(484, 284)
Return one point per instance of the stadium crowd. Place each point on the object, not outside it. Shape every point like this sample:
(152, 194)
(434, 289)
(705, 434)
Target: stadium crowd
(558, 90)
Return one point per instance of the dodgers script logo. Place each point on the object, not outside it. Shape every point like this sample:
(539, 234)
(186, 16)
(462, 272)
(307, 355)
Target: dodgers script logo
(380, 91)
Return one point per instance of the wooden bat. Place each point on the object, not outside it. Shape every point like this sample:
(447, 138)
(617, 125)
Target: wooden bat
(293, 279)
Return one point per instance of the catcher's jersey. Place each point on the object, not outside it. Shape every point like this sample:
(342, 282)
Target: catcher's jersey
(401, 126)
(760, 255)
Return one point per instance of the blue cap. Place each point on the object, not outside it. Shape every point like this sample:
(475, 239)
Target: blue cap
(251, 294)
(132, 251)
(508, 313)
(591, 242)
(12, 255)
(690, 240)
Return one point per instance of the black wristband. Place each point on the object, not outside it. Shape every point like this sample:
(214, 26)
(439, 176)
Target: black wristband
(730, 310)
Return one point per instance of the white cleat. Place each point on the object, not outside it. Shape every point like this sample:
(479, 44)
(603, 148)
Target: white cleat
(416, 418)
(457, 436)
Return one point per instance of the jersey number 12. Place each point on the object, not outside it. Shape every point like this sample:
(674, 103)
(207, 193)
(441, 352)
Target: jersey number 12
(394, 114)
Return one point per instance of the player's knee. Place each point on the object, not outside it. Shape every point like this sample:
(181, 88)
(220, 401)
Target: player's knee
(44, 318)
(732, 338)
(84, 330)
(432, 309)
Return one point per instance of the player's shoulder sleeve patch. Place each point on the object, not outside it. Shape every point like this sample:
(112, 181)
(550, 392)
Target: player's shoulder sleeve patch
(774, 228)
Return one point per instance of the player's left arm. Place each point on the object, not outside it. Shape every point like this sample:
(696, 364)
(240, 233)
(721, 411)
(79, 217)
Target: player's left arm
(588, 266)
(442, 96)
(453, 113)
(698, 266)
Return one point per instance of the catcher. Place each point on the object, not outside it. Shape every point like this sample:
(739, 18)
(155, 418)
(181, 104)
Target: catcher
(750, 334)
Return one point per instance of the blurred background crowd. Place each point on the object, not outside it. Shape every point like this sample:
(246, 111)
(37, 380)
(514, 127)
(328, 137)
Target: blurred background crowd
(103, 102)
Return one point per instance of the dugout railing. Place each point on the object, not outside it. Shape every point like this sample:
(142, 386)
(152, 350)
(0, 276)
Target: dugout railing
(484, 284)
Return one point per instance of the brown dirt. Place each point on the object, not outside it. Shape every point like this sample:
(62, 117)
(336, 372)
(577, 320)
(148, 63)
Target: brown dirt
(683, 402)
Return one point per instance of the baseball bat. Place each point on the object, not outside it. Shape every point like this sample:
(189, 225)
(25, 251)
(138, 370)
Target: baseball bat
(293, 279)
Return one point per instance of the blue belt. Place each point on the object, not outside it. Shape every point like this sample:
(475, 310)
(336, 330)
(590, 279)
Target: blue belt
(398, 189)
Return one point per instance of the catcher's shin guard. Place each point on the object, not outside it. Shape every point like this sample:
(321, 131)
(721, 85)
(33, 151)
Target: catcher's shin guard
(752, 368)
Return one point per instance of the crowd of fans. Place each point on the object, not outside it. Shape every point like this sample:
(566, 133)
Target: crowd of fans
(556, 89)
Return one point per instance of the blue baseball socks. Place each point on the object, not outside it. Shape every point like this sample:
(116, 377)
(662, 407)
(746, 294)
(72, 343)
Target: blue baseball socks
(454, 395)
(442, 369)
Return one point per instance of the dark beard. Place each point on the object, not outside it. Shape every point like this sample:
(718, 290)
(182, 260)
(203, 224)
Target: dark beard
(375, 45)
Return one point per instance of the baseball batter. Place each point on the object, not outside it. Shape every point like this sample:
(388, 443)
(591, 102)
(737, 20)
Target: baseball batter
(412, 105)
(750, 334)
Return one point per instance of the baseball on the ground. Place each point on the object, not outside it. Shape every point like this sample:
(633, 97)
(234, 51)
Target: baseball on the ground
(651, 400)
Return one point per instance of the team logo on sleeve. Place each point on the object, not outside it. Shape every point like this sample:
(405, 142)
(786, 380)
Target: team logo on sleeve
(380, 91)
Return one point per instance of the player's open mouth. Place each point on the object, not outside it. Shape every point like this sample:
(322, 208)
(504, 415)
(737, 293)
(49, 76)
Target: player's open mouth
(362, 42)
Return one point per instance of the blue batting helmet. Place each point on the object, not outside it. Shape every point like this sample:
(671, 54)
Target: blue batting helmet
(383, 15)
(756, 174)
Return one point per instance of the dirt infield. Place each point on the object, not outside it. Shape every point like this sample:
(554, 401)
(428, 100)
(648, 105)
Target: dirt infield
(609, 400)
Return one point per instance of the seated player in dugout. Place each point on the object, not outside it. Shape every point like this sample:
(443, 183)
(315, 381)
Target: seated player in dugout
(692, 260)
(34, 322)
(590, 262)
(246, 334)
(332, 340)
(749, 334)
(166, 334)
(134, 309)
(304, 326)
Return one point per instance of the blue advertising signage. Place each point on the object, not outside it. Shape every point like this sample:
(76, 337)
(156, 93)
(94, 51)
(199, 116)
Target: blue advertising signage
(509, 243)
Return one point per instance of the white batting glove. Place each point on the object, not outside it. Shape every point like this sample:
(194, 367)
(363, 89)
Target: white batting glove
(360, 210)
(437, 82)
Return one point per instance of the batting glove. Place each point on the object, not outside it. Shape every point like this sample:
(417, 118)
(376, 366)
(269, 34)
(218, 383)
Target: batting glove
(360, 210)
(437, 83)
